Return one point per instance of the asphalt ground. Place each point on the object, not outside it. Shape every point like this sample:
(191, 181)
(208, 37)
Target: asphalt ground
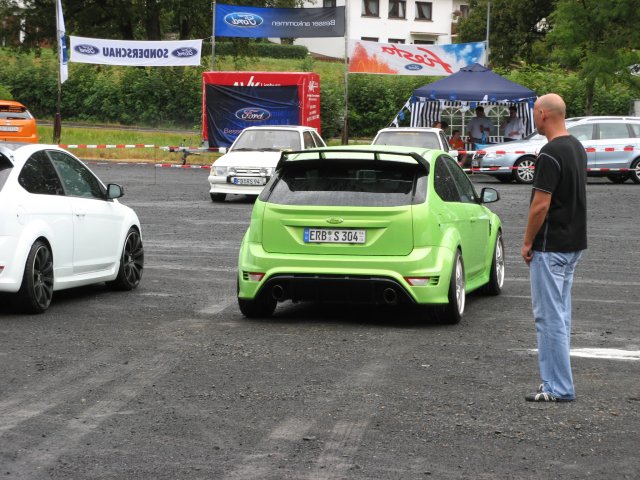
(171, 382)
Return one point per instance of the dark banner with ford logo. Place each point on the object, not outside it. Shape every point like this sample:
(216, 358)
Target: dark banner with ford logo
(136, 53)
(230, 109)
(255, 22)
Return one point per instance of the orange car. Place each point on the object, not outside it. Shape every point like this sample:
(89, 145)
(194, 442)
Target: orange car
(16, 123)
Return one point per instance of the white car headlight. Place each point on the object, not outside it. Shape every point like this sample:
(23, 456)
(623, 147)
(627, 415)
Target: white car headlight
(222, 171)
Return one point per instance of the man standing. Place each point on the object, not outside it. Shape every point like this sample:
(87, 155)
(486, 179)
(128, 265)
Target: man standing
(555, 236)
(512, 126)
(479, 127)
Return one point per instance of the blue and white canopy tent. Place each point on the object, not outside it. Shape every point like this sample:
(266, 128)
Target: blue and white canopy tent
(467, 88)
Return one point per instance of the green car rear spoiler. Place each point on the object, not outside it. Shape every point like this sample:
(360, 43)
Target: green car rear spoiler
(284, 156)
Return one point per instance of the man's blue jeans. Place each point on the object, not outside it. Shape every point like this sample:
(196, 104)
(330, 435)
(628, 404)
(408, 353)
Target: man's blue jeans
(551, 280)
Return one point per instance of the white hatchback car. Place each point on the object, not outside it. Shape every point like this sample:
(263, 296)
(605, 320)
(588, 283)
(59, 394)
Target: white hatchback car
(60, 227)
(248, 164)
(420, 137)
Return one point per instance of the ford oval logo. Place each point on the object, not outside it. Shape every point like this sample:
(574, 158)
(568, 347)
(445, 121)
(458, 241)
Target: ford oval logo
(413, 67)
(240, 19)
(184, 52)
(334, 220)
(86, 49)
(252, 114)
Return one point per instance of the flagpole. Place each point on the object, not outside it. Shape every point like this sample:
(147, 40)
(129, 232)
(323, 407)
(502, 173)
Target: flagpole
(488, 23)
(213, 37)
(57, 120)
(345, 122)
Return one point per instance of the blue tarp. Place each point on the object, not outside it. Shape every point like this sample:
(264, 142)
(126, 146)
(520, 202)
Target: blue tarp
(475, 83)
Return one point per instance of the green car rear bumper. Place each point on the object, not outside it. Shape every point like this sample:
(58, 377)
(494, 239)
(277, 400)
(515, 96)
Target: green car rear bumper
(346, 278)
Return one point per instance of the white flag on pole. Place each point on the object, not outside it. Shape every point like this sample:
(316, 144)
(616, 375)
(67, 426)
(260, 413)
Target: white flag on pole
(62, 44)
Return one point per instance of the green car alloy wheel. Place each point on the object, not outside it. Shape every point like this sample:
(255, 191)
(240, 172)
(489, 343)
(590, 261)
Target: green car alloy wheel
(370, 225)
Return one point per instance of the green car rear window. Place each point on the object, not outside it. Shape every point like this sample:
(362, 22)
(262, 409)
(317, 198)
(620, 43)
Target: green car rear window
(373, 183)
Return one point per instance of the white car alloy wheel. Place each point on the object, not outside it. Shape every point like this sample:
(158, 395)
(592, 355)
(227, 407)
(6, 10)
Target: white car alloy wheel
(496, 274)
(453, 311)
(523, 170)
(459, 285)
(635, 171)
(499, 262)
(36, 291)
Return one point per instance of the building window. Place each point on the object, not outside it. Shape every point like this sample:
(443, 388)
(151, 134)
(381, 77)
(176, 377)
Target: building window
(424, 42)
(328, 3)
(424, 10)
(370, 8)
(396, 40)
(464, 11)
(369, 39)
(397, 9)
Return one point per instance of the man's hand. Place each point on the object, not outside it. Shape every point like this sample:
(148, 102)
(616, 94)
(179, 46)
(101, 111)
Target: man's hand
(527, 253)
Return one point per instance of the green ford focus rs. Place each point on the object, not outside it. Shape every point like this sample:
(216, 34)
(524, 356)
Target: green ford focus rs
(370, 225)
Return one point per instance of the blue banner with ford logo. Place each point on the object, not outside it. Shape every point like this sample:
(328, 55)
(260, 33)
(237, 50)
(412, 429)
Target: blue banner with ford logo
(230, 109)
(255, 22)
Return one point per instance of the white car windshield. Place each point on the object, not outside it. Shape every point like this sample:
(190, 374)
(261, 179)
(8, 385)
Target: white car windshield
(408, 139)
(268, 140)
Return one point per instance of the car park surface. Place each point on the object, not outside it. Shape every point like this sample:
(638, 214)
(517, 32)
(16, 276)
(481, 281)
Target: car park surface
(16, 123)
(170, 381)
(378, 224)
(248, 164)
(61, 227)
(612, 145)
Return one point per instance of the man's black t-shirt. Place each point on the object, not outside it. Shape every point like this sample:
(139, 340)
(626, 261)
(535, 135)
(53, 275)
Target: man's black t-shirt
(561, 169)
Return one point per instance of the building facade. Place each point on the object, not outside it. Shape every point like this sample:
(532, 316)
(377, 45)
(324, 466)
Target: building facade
(390, 21)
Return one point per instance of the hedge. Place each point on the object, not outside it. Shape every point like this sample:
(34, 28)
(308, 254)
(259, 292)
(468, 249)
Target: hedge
(261, 49)
(171, 96)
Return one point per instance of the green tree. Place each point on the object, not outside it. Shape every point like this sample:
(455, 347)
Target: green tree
(123, 19)
(515, 27)
(597, 39)
(191, 18)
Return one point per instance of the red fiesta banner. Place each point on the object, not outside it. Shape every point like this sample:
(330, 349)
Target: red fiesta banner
(402, 59)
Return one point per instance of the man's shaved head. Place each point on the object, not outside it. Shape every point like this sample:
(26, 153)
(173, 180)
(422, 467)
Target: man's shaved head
(552, 103)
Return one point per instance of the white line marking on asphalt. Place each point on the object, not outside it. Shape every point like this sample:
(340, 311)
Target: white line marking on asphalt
(292, 429)
(580, 299)
(197, 268)
(583, 281)
(68, 432)
(335, 460)
(606, 353)
(601, 353)
(273, 448)
(345, 438)
(215, 308)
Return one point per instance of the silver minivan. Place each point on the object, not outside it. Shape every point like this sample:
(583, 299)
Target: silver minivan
(612, 145)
